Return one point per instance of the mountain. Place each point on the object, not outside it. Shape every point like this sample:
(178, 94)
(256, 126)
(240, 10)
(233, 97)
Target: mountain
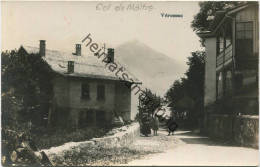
(156, 70)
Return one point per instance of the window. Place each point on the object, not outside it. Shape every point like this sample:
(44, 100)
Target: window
(228, 84)
(101, 92)
(228, 42)
(82, 119)
(220, 45)
(228, 34)
(244, 44)
(101, 118)
(224, 38)
(86, 118)
(85, 91)
(244, 30)
(219, 85)
(91, 118)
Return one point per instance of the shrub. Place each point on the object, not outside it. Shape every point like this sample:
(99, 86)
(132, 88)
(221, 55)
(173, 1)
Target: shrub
(60, 137)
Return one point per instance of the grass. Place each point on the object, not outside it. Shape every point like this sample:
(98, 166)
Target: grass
(57, 138)
(96, 155)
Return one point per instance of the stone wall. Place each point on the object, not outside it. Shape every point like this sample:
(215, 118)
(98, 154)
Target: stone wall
(117, 137)
(241, 129)
(246, 130)
(121, 137)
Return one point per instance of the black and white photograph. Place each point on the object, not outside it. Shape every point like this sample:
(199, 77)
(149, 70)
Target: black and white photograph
(129, 83)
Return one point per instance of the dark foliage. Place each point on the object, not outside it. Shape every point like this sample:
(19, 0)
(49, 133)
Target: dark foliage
(208, 9)
(186, 95)
(26, 91)
(148, 102)
(26, 87)
(201, 21)
(59, 137)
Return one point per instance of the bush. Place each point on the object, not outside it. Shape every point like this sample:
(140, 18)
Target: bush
(60, 137)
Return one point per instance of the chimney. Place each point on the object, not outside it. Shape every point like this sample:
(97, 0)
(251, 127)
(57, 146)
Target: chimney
(70, 67)
(78, 50)
(42, 48)
(110, 55)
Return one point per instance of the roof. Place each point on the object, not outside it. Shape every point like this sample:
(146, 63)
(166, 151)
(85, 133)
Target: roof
(221, 16)
(84, 66)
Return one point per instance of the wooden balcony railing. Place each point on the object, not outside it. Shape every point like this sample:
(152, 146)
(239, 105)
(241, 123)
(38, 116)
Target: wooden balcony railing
(224, 56)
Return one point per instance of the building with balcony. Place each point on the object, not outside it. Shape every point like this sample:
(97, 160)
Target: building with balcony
(231, 70)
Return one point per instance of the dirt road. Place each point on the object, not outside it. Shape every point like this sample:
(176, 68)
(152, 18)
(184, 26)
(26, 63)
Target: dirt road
(192, 149)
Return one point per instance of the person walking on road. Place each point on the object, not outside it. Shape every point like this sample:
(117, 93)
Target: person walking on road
(145, 128)
(155, 125)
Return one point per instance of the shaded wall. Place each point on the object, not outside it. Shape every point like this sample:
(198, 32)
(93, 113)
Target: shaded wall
(123, 100)
(210, 71)
(70, 109)
(73, 111)
(240, 129)
(100, 111)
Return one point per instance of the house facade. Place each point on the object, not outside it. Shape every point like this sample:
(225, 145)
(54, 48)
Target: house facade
(231, 70)
(85, 92)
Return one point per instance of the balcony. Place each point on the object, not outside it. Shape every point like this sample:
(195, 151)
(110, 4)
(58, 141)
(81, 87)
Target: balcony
(224, 57)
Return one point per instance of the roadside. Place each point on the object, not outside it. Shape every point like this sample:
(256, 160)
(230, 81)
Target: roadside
(198, 150)
(103, 155)
(183, 148)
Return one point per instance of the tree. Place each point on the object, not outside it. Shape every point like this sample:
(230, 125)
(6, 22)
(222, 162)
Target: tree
(186, 94)
(208, 9)
(148, 102)
(176, 91)
(26, 87)
(26, 80)
(195, 83)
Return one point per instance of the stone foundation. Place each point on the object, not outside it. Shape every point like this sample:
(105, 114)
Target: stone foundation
(246, 130)
(241, 129)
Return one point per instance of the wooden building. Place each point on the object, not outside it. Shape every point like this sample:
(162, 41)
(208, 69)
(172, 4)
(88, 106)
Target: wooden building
(231, 109)
(231, 72)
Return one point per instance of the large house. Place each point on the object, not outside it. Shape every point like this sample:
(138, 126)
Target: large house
(231, 70)
(85, 92)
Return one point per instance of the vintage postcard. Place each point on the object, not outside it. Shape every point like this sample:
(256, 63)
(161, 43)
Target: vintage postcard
(129, 83)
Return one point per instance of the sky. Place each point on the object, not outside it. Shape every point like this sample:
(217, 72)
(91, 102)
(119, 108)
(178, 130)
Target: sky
(63, 24)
